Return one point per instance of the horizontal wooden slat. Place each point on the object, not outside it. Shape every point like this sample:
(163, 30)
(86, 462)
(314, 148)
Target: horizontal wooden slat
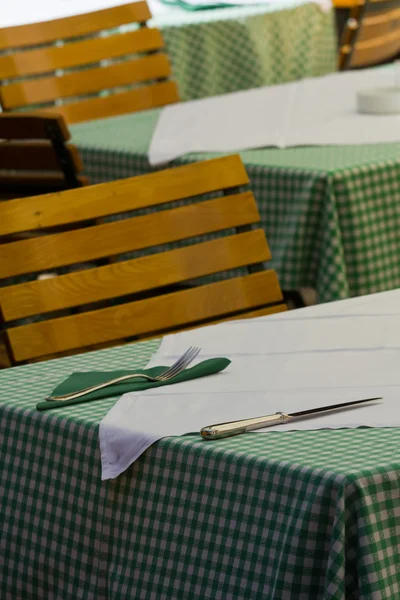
(143, 98)
(376, 51)
(134, 193)
(32, 126)
(85, 82)
(126, 235)
(133, 276)
(51, 58)
(75, 26)
(158, 314)
(380, 25)
(31, 156)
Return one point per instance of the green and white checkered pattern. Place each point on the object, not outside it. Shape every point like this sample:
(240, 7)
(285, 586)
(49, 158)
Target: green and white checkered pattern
(331, 214)
(283, 516)
(224, 50)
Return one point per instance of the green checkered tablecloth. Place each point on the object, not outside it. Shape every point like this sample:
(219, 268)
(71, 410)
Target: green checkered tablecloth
(331, 214)
(275, 516)
(224, 50)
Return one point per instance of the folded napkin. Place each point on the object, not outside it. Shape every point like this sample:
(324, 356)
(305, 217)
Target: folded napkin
(79, 381)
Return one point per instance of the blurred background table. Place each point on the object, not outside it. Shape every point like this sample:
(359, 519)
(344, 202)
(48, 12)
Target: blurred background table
(216, 51)
(331, 214)
(223, 50)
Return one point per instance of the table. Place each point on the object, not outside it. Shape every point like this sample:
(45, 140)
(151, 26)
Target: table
(304, 515)
(331, 214)
(219, 51)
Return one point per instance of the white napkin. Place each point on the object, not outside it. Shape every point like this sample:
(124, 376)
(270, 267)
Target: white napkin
(318, 111)
(289, 362)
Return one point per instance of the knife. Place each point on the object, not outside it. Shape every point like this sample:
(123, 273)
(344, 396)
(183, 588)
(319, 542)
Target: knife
(221, 430)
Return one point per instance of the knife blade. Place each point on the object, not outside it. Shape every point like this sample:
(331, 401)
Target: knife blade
(221, 430)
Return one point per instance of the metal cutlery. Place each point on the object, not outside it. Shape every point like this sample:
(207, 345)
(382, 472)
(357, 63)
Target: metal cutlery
(179, 366)
(222, 430)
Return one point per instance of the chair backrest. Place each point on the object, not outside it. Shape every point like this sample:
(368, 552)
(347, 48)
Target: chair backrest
(86, 65)
(210, 231)
(34, 156)
(371, 35)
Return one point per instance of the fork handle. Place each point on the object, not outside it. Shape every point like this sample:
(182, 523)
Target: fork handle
(100, 386)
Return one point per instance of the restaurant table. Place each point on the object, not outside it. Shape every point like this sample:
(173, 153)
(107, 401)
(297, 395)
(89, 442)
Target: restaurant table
(331, 214)
(222, 50)
(302, 515)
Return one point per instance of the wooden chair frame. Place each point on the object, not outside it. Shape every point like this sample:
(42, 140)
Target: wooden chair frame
(33, 134)
(163, 288)
(352, 33)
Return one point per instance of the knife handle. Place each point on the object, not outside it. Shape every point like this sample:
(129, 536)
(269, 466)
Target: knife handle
(222, 430)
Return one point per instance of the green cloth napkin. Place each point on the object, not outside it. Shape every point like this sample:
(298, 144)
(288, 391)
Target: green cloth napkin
(79, 381)
(186, 6)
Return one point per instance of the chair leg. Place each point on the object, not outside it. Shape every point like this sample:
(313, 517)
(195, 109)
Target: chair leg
(293, 299)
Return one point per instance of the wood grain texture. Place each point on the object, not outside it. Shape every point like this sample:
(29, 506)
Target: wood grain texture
(80, 83)
(133, 276)
(49, 86)
(75, 26)
(109, 239)
(143, 98)
(34, 126)
(134, 193)
(374, 53)
(33, 156)
(146, 293)
(159, 314)
(371, 35)
(50, 58)
(380, 25)
(376, 50)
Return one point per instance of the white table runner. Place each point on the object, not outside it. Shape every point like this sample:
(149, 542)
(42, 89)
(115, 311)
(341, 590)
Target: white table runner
(318, 111)
(308, 358)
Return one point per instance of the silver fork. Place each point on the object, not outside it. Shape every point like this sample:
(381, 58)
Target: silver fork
(178, 366)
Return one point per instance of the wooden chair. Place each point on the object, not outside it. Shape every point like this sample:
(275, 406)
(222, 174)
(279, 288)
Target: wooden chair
(371, 34)
(34, 156)
(144, 296)
(84, 68)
